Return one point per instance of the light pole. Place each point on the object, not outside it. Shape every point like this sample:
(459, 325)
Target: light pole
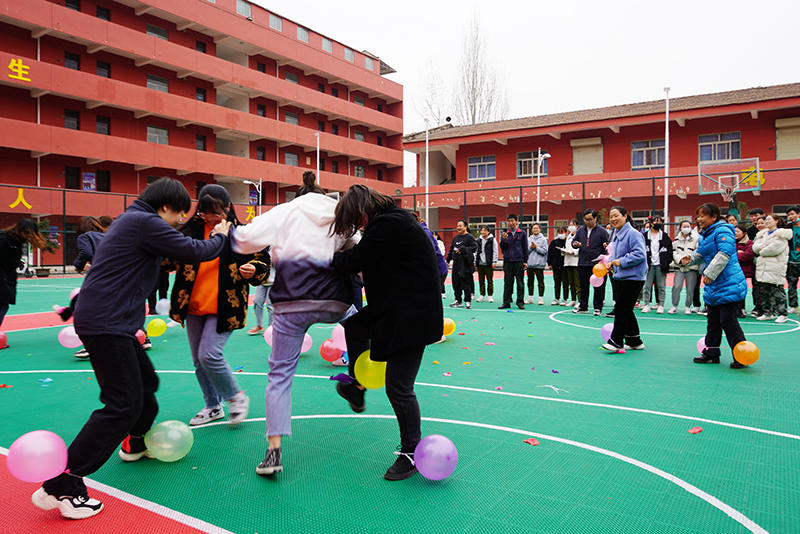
(258, 190)
(427, 170)
(539, 162)
(666, 161)
(316, 134)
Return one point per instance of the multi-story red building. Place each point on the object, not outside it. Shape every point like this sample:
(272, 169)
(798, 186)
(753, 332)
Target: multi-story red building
(599, 158)
(105, 96)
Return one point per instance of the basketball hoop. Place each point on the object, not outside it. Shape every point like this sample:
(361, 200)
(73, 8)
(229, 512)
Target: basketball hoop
(727, 194)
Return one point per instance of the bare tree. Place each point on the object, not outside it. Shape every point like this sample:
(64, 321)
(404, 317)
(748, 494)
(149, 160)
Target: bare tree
(431, 100)
(480, 94)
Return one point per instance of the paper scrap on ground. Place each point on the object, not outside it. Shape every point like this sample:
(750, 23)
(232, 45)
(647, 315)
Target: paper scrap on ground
(434, 361)
(446, 374)
(695, 430)
(46, 380)
(499, 388)
(553, 388)
(532, 441)
(489, 343)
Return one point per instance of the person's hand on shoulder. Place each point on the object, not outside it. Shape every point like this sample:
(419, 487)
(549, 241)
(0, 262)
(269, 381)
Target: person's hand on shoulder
(222, 228)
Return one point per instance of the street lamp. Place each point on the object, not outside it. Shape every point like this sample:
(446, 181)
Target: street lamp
(539, 162)
(316, 134)
(258, 190)
(666, 160)
(427, 171)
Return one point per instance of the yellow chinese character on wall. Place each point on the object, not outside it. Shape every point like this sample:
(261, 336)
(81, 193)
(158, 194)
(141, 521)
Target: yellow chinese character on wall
(751, 177)
(20, 199)
(250, 212)
(20, 70)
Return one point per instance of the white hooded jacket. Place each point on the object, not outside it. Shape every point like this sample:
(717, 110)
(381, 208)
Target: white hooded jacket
(772, 251)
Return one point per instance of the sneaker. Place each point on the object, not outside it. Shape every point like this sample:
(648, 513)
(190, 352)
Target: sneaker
(444, 295)
(353, 395)
(65, 312)
(765, 317)
(133, 449)
(554, 303)
(256, 330)
(82, 354)
(646, 308)
(271, 463)
(687, 311)
(444, 338)
(637, 305)
(491, 299)
(640, 346)
(341, 362)
(402, 468)
(704, 311)
(578, 310)
(206, 415)
(754, 313)
(609, 346)
(480, 299)
(791, 310)
(521, 306)
(468, 305)
(695, 309)
(570, 303)
(673, 310)
(781, 319)
(598, 313)
(611, 314)
(562, 303)
(238, 407)
(456, 304)
(660, 309)
(79, 507)
(540, 302)
(529, 300)
(147, 345)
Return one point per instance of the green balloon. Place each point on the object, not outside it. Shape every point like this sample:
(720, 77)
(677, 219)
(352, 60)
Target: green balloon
(169, 441)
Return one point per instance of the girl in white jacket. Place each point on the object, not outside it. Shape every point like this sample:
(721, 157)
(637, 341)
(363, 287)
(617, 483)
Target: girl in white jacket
(571, 263)
(772, 247)
(685, 243)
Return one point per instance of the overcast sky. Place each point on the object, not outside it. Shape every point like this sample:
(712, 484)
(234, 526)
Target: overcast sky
(573, 54)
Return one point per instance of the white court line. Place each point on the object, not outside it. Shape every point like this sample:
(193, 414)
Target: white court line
(150, 506)
(492, 392)
(731, 512)
(673, 334)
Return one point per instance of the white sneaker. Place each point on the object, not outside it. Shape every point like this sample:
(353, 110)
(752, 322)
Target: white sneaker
(529, 300)
(660, 309)
(695, 309)
(82, 354)
(172, 324)
(491, 299)
(673, 310)
(791, 310)
(563, 303)
(444, 338)
(541, 301)
(341, 362)
(646, 308)
(207, 415)
(687, 311)
(79, 507)
(781, 319)
(570, 303)
(444, 295)
(637, 347)
(765, 317)
(238, 407)
(468, 305)
(480, 299)
(554, 303)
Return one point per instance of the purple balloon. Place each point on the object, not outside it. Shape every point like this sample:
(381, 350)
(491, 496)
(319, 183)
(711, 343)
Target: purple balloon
(37, 456)
(701, 344)
(436, 457)
(606, 331)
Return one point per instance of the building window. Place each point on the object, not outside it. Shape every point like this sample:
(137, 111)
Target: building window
(72, 61)
(302, 34)
(103, 181)
(292, 78)
(200, 46)
(243, 8)
(200, 142)
(380, 141)
(276, 23)
(335, 166)
(261, 110)
(369, 63)
(647, 155)
(321, 126)
(348, 55)
(480, 169)
(321, 87)
(72, 177)
(359, 136)
(334, 92)
(72, 119)
(360, 172)
(159, 33)
(359, 101)
(720, 147)
(327, 45)
(103, 125)
(261, 154)
(73, 4)
(158, 83)
(103, 13)
(291, 159)
(292, 118)
(200, 94)
(380, 175)
(380, 107)
(527, 165)
(322, 165)
(104, 69)
(335, 129)
(157, 135)
(261, 67)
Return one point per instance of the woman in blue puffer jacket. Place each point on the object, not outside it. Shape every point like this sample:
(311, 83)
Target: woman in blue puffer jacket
(725, 284)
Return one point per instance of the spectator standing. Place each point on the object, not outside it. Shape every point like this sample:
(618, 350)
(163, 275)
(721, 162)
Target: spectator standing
(462, 254)
(555, 258)
(772, 246)
(485, 259)
(591, 241)
(793, 267)
(570, 255)
(755, 214)
(744, 251)
(659, 257)
(515, 253)
(685, 244)
(537, 261)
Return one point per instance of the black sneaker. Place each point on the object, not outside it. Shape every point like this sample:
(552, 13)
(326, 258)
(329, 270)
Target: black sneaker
(610, 314)
(79, 507)
(133, 448)
(403, 467)
(147, 345)
(353, 395)
(271, 463)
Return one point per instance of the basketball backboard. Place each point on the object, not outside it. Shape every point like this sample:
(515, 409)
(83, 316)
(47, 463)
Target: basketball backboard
(729, 177)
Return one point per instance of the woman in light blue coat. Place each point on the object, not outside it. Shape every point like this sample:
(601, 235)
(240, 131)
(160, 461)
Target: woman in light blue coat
(537, 261)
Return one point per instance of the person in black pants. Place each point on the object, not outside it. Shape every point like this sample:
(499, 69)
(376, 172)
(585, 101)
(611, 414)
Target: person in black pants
(515, 255)
(462, 254)
(403, 312)
(591, 240)
(160, 291)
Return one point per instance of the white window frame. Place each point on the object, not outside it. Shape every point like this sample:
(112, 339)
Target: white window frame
(528, 161)
(291, 159)
(291, 78)
(292, 118)
(157, 83)
(302, 34)
(482, 162)
(157, 32)
(327, 45)
(158, 135)
(359, 171)
(359, 136)
(349, 55)
(244, 8)
(720, 147)
(359, 101)
(275, 22)
(657, 151)
(369, 63)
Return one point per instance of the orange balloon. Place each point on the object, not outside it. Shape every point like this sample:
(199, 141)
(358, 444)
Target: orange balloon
(746, 352)
(600, 270)
(449, 326)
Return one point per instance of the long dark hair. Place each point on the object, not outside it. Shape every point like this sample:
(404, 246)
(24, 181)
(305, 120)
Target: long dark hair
(213, 199)
(89, 224)
(26, 231)
(309, 185)
(358, 203)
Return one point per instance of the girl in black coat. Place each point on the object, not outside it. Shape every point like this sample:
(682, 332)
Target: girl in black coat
(404, 309)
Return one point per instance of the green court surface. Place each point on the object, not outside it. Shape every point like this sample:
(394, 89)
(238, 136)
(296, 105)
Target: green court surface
(614, 454)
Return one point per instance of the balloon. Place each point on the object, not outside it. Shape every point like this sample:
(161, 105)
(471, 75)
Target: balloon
(156, 327)
(37, 456)
(371, 374)
(606, 331)
(746, 352)
(169, 441)
(435, 457)
(604, 260)
(610, 250)
(162, 307)
(268, 335)
(338, 337)
(600, 270)
(140, 336)
(74, 293)
(68, 338)
(328, 352)
(449, 326)
(701, 344)
(3, 339)
(307, 342)
(596, 281)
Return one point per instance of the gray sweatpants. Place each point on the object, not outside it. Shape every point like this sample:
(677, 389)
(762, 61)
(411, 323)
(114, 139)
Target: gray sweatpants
(654, 275)
(677, 285)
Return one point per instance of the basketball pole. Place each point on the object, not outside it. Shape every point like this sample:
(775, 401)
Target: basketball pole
(666, 161)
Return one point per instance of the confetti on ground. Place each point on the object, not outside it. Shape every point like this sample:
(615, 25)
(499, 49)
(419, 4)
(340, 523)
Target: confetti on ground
(499, 388)
(434, 361)
(5, 386)
(239, 368)
(45, 385)
(510, 311)
(695, 430)
(530, 335)
(556, 372)
(445, 395)
(532, 441)
(464, 347)
(343, 378)
(489, 343)
(462, 334)
(467, 363)
(510, 357)
(554, 388)
(46, 380)
(483, 334)
(446, 374)
(481, 359)
(533, 368)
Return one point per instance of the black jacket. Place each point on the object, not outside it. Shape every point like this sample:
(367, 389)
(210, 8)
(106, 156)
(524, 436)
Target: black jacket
(594, 248)
(463, 262)
(10, 256)
(87, 245)
(401, 279)
(554, 256)
(664, 250)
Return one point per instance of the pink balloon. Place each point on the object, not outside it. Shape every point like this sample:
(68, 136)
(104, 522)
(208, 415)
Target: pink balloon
(268, 335)
(595, 281)
(701, 344)
(436, 457)
(604, 259)
(37, 456)
(307, 342)
(68, 338)
(338, 338)
(140, 337)
(610, 250)
(328, 352)
(606, 331)
(74, 293)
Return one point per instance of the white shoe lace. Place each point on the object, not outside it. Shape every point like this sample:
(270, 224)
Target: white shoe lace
(409, 456)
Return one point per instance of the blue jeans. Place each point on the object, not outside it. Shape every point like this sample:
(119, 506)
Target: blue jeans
(288, 331)
(213, 373)
(261, 301)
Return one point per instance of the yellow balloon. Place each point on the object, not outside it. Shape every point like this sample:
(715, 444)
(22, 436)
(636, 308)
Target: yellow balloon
(746, 352)
(369, 373)
(449, 326)
(156, 327)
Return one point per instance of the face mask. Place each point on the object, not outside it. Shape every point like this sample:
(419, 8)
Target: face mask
(571, 229)
(561, 236)
(657, 226)
(686, 231)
